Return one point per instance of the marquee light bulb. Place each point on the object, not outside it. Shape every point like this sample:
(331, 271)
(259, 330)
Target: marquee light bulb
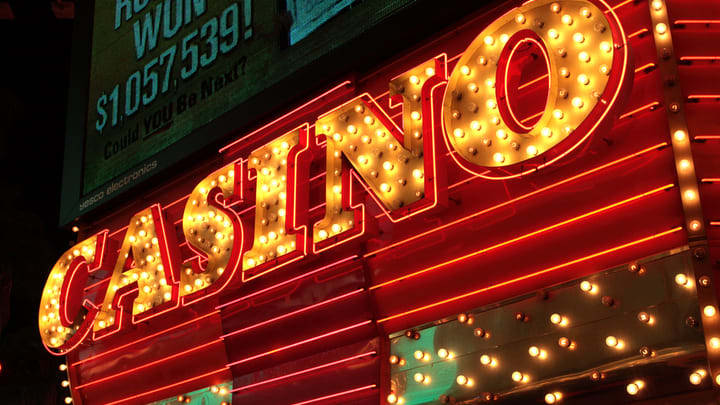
(414, 79)
(520, 19)
(690, 194)
(499, 157)
(62, 367)
(459, 133)
(709, 311)
(695, 225)
(443, 353)
(680, 135)
(682, 280)
(697, 377)
(715, 343)
(68, 400)
(583, 79)
(65, 383)
(546, 132)
(567, 19)
(489, 40)
(661, 28)
(418, 377)
(461, 379)
(578, 37)
(584, 56)
(392, 398)
(553, 33)
(430, 71)
(553, 397)
(464, 69)
(555, 7)
(585, 12)
(532, 150)
(577, 102)
(657, 5)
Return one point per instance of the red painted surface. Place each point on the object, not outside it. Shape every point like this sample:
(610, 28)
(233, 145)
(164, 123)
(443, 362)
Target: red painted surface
(610, 201)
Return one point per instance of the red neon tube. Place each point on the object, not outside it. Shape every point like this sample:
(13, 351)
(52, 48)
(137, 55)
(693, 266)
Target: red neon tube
(703, 22)
(339, 394)
(300, 343)
(293, 313)
(292, 280)
(648, 106)
(187, 380)
(516, 199)
(146, 365)
(531, 275)
(703, 96)
(638, 32)
(645, 66)
(525, 236)
(140, 340)
(698, 58)
(305, 371)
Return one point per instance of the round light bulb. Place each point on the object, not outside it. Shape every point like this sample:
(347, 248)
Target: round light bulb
(709, 311)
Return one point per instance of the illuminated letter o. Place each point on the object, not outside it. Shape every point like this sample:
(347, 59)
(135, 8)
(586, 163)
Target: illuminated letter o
(587, 57)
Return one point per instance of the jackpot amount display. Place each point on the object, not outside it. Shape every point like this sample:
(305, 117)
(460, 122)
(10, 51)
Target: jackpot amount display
(159, 70)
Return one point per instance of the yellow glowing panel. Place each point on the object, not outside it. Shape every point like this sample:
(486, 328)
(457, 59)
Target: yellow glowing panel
(578, 45)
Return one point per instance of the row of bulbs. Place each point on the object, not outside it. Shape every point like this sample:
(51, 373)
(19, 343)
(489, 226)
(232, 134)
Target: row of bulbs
(611, 341)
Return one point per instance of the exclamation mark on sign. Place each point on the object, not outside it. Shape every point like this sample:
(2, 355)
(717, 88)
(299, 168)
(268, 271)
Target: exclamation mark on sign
(248, 19)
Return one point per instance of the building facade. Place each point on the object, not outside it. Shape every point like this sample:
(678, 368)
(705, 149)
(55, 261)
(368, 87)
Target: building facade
(521, 206)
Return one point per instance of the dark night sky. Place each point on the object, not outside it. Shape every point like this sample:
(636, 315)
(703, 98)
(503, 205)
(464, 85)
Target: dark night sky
(35, 61)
